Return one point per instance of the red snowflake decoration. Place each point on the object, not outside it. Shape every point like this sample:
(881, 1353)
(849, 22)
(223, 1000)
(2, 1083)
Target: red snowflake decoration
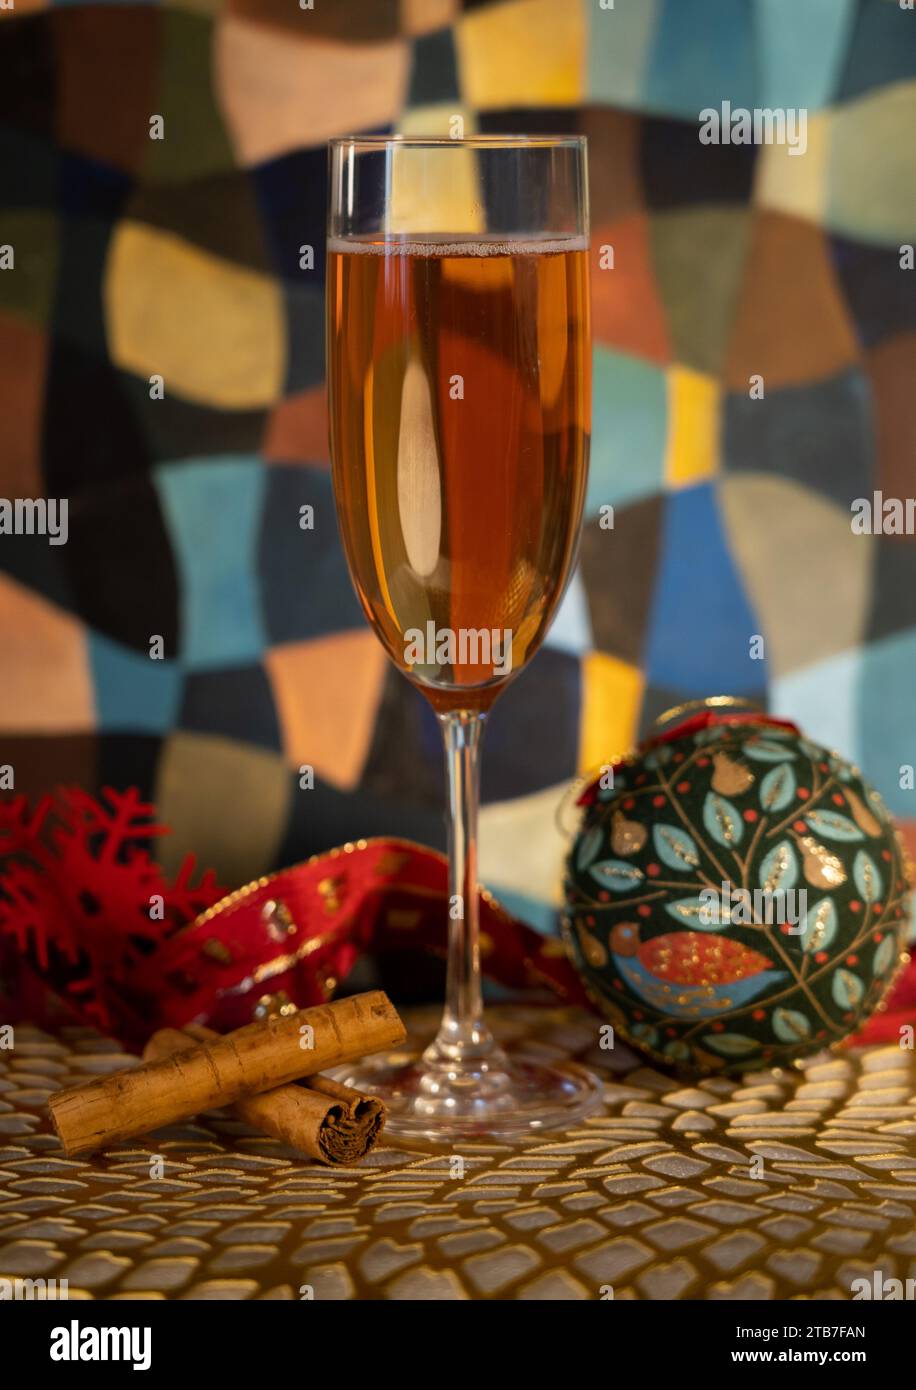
(82, 901)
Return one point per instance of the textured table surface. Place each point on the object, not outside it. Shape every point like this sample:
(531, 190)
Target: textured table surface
(654, 1196)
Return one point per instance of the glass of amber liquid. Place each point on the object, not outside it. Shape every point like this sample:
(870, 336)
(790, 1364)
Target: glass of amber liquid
(458, 350)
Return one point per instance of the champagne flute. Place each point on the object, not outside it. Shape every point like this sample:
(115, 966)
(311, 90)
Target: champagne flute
(458, 351)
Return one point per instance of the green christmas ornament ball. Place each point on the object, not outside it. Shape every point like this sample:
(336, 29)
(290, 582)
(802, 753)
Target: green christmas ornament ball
(736, 895)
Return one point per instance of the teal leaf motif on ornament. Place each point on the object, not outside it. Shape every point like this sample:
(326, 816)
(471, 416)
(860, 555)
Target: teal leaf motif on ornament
(732, 1044)
(778, 788)
(779, 868)
(763, 751)
(819, 926)
(722, 820)
(833, 826)
(885, 956)
(590, 846)
(791, 1026)
(675, 848)
(867, 877)
(617, 875)
(711, 735)
(847, 989)
(698, 913)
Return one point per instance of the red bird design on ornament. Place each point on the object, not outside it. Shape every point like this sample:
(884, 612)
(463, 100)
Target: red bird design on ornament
(691, 974)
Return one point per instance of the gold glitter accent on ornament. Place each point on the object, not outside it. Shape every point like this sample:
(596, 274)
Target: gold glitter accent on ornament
(822, 868)
(778, 872)
(868, 879)
(817, 928)
(723, 821)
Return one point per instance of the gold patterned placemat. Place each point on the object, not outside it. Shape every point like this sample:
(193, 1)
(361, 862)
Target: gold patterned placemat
(778, 1184)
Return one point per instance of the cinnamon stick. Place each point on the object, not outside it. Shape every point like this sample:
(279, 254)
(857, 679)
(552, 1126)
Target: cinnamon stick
(323, 1119)
(260, 1057)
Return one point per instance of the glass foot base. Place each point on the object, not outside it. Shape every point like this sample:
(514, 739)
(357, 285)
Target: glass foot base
(506, 1096)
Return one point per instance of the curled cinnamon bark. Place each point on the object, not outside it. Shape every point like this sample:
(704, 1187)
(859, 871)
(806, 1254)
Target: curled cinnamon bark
(319, 1117)
(239, 1065)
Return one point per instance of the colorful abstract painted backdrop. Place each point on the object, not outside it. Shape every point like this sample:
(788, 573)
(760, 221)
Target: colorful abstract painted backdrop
(178, 258)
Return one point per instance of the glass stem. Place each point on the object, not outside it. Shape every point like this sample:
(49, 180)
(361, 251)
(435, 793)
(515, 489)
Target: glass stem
(463, 1036)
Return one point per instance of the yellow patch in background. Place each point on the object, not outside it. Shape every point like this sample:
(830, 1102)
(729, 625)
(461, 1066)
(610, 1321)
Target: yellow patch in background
(611, 700)
(692, 454)
(215, 332)
(434, 190)
(525, 53)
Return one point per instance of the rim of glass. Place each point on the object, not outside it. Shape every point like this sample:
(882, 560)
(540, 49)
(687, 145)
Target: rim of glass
(421, 141)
